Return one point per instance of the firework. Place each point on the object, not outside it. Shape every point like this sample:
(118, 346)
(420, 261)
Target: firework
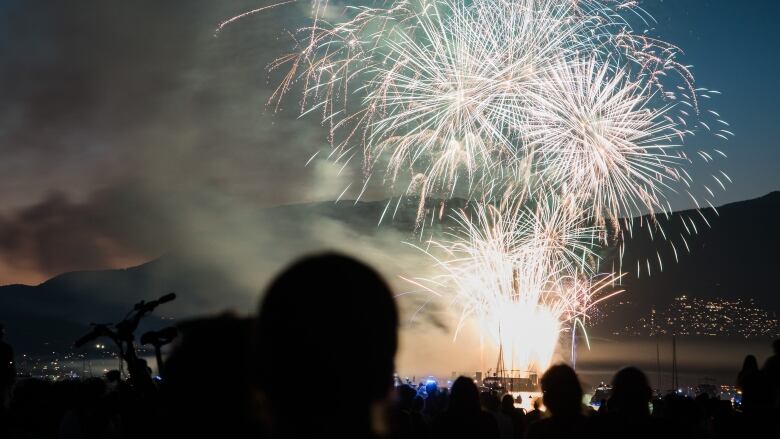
(523, 274)
(553, 118)
(434, 93)
(597, 135)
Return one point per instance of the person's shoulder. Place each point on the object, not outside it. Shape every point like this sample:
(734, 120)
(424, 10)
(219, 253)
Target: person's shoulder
(487, 416)
(597, 418)
(540, 428)
(518, 414)
(489, 425)
(542, 423)
(616, 425)
(772, 362)
(441, 418)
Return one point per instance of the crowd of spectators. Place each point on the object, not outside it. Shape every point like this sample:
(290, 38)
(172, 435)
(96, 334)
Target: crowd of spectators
(317, 361)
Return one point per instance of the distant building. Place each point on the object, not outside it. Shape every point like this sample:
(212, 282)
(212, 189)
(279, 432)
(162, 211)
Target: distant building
(707, 317)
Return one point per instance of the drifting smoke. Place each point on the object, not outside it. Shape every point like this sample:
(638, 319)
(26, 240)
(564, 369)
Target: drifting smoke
(553, 118)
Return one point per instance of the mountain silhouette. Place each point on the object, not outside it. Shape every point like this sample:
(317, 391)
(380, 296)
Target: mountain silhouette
(728, 252)
(736, 255)
(50, 316)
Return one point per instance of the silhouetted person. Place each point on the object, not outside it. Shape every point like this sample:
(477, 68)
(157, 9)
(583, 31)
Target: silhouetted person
(464, 418)
(407, 420)
(206, 388)
(757, 418)
(772, 372)
(7, 377)
(114, 380)
(418, 405)
(680, 417)
(631, 394)
(603, 407)
(90, 416)
(516, 415)
(30, 409)
(434, 401)
(756, 393)
(113, 377)
(627, 411)
(722, 421)
(327, 322)
(562, 395)
(401, 414)
(535, 414)
(492, 404)
(519, 401)
(7, 368)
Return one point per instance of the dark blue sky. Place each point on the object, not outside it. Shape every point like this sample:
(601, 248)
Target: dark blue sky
(734, 46)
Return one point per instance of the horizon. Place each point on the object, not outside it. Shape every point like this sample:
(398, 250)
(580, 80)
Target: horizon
(345, 201)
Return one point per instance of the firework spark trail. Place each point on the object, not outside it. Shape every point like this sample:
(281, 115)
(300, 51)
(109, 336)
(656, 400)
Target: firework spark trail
(595, 131)
(446, 89)
(431, 100)
(554, 118)
(523, 274)
(231, 20)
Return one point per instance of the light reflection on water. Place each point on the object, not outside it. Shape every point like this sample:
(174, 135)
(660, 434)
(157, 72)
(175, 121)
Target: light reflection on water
(83, 368)
(698, 358)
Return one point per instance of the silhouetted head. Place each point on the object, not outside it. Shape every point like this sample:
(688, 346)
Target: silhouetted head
(327, 318)
(205, 386)
(562, 391)
(113, 376)
(406, 395)
(775, 346)
(143, 364)
(418, 404)
(631, 392)
(750, 364)
(464, 397)
(490, 401)
(507, 403)
(659, 406)
(90, 391)
(431, 387)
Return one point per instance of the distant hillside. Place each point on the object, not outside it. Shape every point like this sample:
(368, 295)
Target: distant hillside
(53, 314)
(736, 257)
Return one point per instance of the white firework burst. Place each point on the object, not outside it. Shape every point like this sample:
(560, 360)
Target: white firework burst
(554, 118)
(599, 137)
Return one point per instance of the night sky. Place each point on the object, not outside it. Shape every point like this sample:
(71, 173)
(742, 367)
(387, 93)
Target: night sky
(128, 128)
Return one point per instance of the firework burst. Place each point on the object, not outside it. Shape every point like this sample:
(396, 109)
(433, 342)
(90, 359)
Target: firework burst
(523, 274)
(553, 118)
(598, 136)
